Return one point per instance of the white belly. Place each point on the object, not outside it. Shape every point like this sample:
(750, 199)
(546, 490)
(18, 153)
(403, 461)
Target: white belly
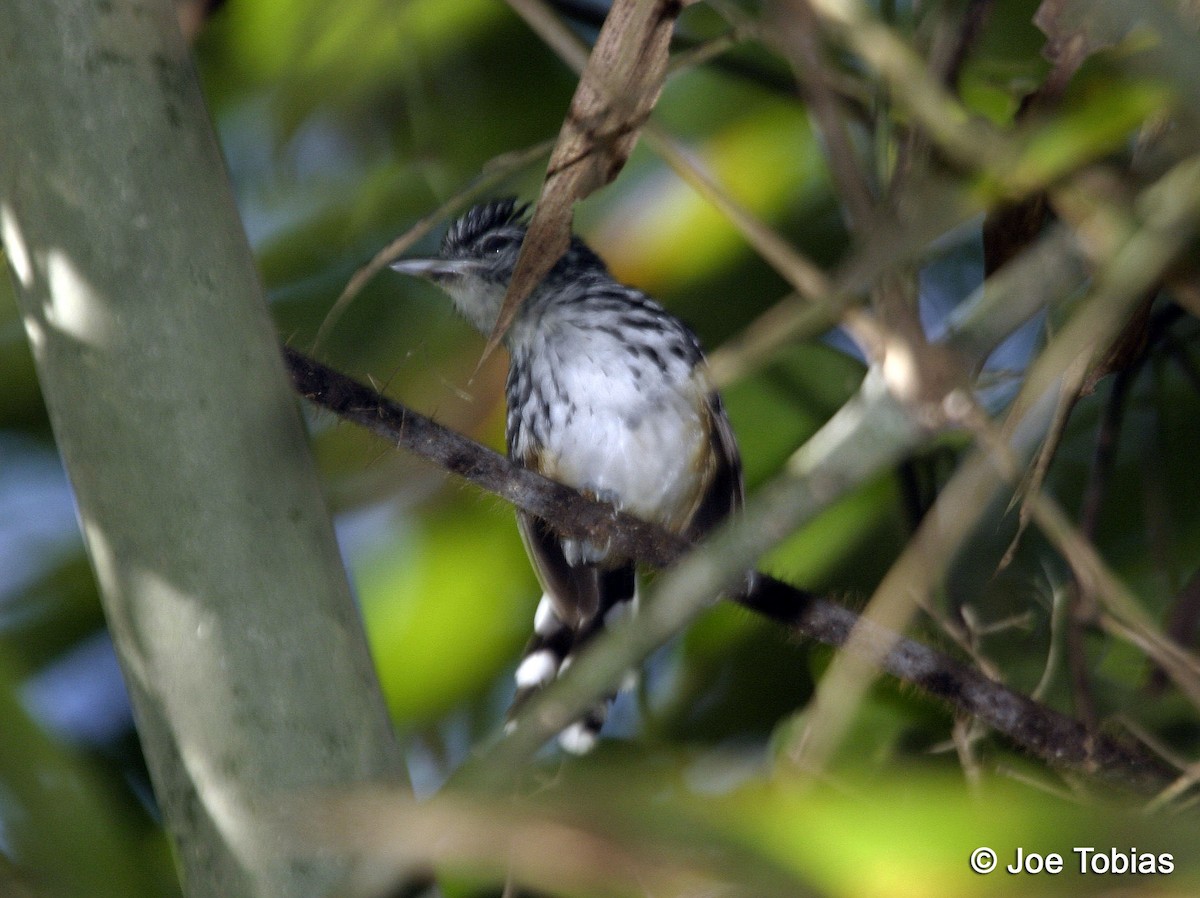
(635, 441)
(643, 461)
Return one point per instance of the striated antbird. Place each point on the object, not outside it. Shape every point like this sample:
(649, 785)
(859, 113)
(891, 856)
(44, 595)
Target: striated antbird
(608, 393)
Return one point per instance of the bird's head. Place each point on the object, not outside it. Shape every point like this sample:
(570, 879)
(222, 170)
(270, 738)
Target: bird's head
(476, 260)
(478, 256)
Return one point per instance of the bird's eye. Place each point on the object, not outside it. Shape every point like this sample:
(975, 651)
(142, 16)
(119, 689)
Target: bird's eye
(493, 243)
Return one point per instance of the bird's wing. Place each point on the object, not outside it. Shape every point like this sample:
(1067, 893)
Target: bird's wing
(575, 591)
(723, 493)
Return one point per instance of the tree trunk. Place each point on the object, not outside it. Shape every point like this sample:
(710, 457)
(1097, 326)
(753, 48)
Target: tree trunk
(199, 501)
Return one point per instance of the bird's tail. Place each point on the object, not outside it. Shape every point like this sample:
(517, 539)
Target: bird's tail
(554, 646)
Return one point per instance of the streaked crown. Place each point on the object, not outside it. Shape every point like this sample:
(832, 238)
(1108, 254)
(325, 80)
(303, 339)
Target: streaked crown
(478, 256)
(485, 228)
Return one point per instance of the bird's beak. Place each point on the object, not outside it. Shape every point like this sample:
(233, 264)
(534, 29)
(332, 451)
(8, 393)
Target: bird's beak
(432, 269)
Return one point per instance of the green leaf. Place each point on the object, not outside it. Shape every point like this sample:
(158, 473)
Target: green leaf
(447, 607)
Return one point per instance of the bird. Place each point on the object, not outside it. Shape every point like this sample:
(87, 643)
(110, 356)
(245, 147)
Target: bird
(608, 393)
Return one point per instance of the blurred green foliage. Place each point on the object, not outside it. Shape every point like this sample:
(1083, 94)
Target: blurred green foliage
(343, 124)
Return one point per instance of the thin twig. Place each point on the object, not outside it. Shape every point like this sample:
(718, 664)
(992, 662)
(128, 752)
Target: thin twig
(1182, 621)
(797, 35)
(494, 172)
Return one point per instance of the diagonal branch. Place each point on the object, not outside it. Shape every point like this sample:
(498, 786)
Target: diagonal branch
(618, 87)
(1039, 730)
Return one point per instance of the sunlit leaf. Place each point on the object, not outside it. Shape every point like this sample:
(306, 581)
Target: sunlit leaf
(447, 608)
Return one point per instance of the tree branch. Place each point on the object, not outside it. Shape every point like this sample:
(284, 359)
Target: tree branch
(1042, 731)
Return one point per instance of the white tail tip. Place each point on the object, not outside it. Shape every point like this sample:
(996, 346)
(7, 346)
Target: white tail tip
(578, 738)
